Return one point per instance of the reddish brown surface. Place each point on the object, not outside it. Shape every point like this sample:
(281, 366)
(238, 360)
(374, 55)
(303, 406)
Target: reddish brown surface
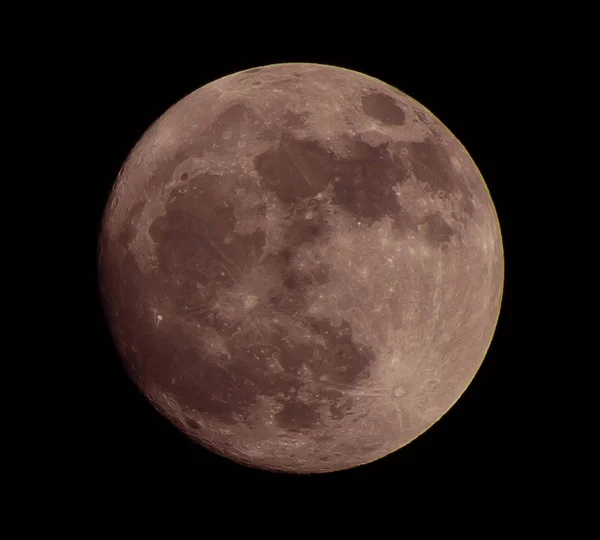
(302, 268)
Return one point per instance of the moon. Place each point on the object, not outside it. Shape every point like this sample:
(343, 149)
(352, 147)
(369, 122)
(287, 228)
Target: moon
(301, 267)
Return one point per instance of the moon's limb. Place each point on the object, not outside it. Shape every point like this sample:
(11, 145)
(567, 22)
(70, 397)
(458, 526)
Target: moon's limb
(302, 267)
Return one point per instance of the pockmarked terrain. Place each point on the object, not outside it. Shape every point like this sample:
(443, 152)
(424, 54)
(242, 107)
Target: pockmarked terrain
(301, 267)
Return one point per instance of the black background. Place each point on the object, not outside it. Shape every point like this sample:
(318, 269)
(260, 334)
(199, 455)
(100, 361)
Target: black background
(482, 445)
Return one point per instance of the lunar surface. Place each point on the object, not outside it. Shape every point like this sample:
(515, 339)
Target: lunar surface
(301, 267)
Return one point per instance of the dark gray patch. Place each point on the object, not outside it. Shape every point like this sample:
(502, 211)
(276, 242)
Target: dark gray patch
(304, 230)
(157, 229)
(298, 280)
(339, 359)
(290, 299)
(295, 169)
(232, 115)
(295, 277)
(274, 264)
(194, 263)
(157, 348)
(366, 182)
(307, 223)
(219, 386)
(206, 387)
(383, 108)
(194, 259)
(294, 356)
(252, 354)
(225, 388)
(297, 416)
(226, 391)
(293, 120)
(431, 165)
(231, 120)
(437, 230)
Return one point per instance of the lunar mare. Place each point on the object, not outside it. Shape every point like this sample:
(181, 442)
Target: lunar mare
(301, 266)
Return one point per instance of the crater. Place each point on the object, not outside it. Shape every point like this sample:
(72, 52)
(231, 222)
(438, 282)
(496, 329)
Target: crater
(400, 391)
(383, 108)
(190, 422)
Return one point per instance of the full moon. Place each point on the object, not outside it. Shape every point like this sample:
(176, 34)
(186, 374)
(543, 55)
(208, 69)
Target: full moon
(301, 267)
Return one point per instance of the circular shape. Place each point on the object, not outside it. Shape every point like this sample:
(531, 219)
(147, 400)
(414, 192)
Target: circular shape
(302, 267)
